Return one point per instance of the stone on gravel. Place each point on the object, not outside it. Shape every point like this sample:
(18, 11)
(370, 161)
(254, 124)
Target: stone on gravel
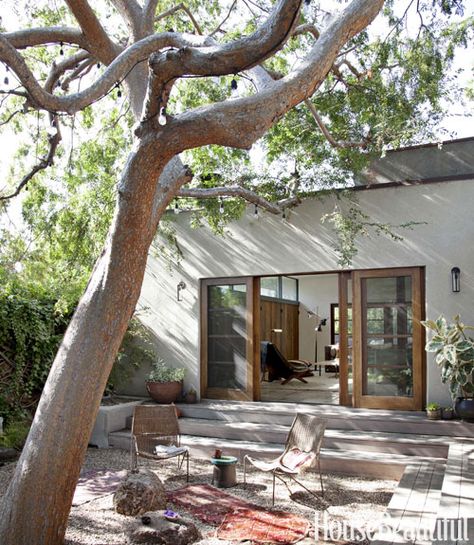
(155, 529)
(139, 492)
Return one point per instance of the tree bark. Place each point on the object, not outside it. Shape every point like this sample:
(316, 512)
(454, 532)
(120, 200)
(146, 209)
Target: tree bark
(37, 503)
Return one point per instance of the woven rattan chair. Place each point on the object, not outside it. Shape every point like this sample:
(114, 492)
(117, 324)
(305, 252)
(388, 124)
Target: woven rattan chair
(155, 435)
(301, 452)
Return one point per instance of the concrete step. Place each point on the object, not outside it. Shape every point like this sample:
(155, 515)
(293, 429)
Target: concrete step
(370, 463)
(395, 443)
(341, 418)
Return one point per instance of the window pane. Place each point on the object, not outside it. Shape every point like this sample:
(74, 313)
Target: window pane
(269, 286)
(289, 288)
(388, 351)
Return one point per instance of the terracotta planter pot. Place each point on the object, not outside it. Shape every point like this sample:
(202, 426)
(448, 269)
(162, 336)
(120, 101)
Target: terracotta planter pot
(164, 392)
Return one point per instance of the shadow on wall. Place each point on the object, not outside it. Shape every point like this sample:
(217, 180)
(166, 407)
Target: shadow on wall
(135, 368)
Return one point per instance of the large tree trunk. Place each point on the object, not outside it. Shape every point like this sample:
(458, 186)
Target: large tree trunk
(36, 506)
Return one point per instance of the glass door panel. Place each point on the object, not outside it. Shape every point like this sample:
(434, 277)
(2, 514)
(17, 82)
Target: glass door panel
(227, 337)
(388, 358)
(226, 346)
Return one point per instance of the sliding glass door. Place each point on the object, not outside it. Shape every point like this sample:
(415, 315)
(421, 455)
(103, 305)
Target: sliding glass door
(388, 339)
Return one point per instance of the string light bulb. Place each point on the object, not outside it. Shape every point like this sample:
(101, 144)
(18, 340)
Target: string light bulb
(221, 205)
(255, 212)
(176, 207)
(61, 50)
(233, 84)
(119, 90)
(283, 216)
(162, 117)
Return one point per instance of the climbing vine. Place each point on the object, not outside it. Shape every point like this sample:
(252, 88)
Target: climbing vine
(31, 328)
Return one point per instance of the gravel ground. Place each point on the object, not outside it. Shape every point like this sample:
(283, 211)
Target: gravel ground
(359, 502)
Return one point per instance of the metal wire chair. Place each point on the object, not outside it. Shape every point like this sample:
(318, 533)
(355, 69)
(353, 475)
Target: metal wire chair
(155, 435)
(302, 449)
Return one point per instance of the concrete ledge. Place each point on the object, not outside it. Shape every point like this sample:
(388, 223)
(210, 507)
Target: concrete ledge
(111, 418)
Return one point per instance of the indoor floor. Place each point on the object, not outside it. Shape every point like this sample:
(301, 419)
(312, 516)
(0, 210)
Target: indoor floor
(319, 389)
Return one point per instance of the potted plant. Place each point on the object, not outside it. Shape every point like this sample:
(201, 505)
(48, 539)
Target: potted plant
(433, 410)
(164, 384)
(455, 357)
(191, 395)
(448, 413)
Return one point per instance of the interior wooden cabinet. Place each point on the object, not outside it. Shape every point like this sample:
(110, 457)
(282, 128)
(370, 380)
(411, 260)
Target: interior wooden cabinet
(279, 324)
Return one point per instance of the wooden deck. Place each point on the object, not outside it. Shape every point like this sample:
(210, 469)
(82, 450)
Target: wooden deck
(433, 503)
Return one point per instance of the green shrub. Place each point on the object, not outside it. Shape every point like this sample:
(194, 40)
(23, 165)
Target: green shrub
(15, 434)
(31, 329)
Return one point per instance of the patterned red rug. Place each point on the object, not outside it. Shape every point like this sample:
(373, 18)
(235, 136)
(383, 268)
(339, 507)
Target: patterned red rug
(238, 519)
(207, 503)
(261, 526)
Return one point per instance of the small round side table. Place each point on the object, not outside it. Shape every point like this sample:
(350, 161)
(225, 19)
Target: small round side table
(224, 473)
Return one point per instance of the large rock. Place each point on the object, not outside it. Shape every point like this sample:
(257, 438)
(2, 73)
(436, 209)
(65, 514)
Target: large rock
(155, 529)
(139, 492)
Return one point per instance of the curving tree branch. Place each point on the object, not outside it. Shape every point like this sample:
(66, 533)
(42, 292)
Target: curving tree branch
(132, 14)
(57, 70)
(148, 16)
(222, 23)
(100, 44)
(32, 37)
(215, 60)
(334, 143)
(233, 57)
(178, 7)
(253, 115)
(114, 73)
(230, 191)
(53, 139)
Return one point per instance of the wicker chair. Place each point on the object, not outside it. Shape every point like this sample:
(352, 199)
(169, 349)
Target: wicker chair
(302, 448)
(155, 435)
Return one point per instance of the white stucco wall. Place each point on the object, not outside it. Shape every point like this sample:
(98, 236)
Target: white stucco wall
(272, 246)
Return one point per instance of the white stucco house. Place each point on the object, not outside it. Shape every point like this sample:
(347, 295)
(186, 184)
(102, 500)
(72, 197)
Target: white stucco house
(278, 281)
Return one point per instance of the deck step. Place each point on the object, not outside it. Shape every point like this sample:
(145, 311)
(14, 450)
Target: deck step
(411, 514)
(394, 443)
(341, 418)
(371, 464)
(457, 496)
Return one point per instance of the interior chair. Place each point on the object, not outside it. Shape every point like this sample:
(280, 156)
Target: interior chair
(155, 436)
(302, 448)
(278, 367)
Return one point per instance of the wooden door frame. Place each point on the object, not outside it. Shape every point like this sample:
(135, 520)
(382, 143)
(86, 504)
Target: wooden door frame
(344, 397)
(418, 365)
(252, 318)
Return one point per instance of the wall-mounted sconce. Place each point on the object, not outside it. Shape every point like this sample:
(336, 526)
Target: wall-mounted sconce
(179, 288)
(456, 279)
